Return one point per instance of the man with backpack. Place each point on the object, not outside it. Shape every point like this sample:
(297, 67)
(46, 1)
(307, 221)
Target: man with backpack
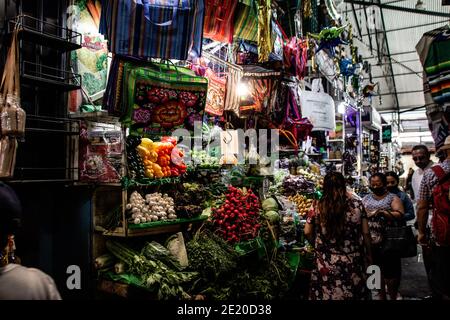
(435, 194)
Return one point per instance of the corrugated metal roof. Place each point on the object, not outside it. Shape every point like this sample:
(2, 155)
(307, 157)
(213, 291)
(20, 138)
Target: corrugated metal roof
(403, 31)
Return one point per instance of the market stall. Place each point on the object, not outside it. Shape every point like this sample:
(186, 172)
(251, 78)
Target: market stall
(191, 209)
(205, 132)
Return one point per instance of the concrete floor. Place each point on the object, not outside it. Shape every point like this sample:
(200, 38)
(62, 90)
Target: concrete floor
(414, 283)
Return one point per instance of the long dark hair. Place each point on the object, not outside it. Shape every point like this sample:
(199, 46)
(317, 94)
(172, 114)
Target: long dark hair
(333, 205)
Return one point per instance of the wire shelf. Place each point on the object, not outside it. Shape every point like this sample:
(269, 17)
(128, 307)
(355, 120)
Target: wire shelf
(50, 77)
(45, 33)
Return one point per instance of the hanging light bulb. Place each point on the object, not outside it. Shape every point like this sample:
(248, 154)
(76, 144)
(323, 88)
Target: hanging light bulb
(242, 89)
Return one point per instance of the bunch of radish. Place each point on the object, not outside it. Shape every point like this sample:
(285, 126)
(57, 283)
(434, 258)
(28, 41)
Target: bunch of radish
(236, 219)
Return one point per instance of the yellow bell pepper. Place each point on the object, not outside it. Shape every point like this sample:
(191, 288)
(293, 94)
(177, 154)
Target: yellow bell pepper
(156, 167)
(148, 163)
(153, 157)
(144, 153)
(149, 173)
(159, 174)
(147, 143)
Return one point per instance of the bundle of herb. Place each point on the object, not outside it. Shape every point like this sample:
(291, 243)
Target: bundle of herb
(211, 256)
(154, 274)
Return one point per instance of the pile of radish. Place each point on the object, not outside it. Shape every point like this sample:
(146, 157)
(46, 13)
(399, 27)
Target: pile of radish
(236, 219)
(154, 207)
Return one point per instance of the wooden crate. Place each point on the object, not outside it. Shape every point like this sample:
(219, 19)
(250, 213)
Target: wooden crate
(105, 200)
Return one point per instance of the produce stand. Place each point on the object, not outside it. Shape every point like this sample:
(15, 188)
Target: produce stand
(173, 137)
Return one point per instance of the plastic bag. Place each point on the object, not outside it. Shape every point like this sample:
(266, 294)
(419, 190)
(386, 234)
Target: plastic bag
(101, 154)
(8, 149)
(177, 248)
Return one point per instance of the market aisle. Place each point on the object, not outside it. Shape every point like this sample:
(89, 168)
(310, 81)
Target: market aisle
(414, 283)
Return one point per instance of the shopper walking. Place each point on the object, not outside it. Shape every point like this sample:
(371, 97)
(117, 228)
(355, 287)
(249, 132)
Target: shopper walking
(392, 180)
(18, 282)
(381, 207)
(434, 192)
(339, 229)
(421, 157)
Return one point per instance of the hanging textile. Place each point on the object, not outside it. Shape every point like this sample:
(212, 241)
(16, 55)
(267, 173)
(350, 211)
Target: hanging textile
(435, 57)
(296, 57)
(153, 28)
(262, 85)
(215, 99)
(264, 30)
(434, 54)
(263, 94)
(162, 98)
(219, 18)
(232, 101)
(246, 22)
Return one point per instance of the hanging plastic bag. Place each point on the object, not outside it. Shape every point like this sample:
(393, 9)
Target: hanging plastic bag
(8, 148)
(12, 116)
(318, 107)
(162, 97)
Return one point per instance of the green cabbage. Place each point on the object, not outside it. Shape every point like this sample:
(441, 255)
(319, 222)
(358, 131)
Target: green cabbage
(270, 204)
(272, 216)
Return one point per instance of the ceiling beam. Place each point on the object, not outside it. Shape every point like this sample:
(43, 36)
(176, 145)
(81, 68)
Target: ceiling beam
(402, 9)
(396, 92)
(398, 74)
(414, 26)
(390, 62)
(356, 20)
(398, 62)
(394, 1)
(368, 31)
(396, 54)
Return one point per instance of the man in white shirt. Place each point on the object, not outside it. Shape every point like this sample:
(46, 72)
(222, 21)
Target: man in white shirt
(421, 157)
(18, 282)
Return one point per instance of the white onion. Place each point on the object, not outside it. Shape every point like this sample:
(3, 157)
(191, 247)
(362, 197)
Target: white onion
(135, 210)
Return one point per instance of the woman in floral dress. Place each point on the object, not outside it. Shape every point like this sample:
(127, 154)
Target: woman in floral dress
(339, 227)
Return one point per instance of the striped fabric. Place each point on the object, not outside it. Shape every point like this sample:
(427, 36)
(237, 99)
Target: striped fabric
(246, 22)
(219, 18)
(232, 101)
(434, 52)
(153, 28)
